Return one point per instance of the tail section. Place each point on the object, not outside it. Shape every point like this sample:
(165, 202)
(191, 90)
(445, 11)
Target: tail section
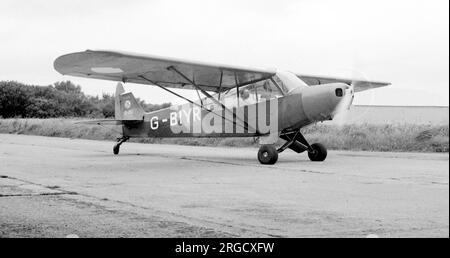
(126, 106)
(127, 111)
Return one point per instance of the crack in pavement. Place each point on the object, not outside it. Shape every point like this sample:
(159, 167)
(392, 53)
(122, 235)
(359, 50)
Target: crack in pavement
(33, 194)
(53, 188)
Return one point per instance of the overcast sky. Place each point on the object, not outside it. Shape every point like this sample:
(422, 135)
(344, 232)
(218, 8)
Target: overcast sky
(403, 42)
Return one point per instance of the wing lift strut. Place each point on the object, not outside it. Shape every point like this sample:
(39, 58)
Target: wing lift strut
(234, 115)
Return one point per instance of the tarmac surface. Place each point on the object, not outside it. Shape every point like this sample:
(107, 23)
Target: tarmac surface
(57, 187)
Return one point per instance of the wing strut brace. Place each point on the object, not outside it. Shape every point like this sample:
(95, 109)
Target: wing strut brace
(198, 94)
(192, 102)
(210, 97)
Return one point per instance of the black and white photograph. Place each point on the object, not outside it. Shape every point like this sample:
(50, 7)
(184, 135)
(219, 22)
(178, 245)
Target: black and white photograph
(242, 122)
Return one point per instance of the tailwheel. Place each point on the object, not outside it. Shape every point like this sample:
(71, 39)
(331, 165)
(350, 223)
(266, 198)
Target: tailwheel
(121, 140)
(267, 155)
(116, 148)
(318, 153)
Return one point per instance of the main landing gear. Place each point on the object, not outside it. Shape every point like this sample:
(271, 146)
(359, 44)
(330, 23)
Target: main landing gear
(120, 140)
(268, 154)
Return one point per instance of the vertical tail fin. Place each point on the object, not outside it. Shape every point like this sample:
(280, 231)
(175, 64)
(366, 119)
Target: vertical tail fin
(126, 105)
(117, 109)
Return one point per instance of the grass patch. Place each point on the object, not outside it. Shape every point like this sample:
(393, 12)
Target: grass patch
(366, 137)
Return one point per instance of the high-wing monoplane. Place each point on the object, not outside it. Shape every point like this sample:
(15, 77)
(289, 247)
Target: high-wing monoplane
(232, 101)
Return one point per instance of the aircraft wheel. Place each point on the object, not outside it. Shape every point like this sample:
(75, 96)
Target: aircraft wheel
(116, 149)
(319, 154)
(267, 155)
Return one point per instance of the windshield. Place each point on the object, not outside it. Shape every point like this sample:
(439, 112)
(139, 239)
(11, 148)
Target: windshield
(288, 81)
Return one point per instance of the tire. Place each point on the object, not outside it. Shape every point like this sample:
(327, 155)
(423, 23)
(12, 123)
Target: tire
(268, 155)
(116, 149)
(319, 154)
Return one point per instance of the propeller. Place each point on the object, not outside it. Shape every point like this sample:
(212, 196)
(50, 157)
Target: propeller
(342, 110)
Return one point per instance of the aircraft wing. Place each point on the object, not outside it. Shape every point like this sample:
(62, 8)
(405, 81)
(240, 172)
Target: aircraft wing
(166, 72)
(360, 85)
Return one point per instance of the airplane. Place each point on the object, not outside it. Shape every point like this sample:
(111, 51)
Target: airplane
(233, 101)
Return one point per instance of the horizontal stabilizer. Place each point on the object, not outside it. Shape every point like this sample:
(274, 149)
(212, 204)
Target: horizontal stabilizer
(109, 122)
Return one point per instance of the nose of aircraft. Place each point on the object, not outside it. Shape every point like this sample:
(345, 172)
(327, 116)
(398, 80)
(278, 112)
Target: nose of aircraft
(320, 101)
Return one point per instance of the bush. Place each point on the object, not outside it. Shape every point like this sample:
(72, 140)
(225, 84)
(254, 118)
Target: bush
(62, 99)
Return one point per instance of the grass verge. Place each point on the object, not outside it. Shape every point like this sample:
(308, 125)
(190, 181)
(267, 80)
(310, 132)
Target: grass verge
(400, 138)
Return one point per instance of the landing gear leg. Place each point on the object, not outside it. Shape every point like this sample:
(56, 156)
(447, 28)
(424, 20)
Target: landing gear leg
(120, 140)
(297, 142)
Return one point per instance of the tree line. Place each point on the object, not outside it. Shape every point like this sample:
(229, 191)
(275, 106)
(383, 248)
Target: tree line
(62, 99)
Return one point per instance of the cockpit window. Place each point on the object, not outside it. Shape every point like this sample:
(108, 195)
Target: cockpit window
(288, 81)
(264, 90)
(250, 94)
(281, 84)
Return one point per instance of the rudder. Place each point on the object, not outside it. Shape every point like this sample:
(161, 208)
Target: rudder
(117, 109)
